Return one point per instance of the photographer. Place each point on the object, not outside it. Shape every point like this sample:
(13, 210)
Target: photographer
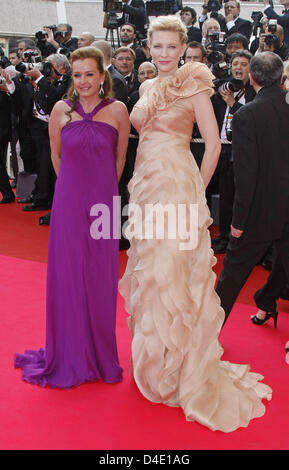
(56, 39)
(226, 102)
(231, 23)
(282, 20)
(272, 40)
(51, 80)
(134, 12)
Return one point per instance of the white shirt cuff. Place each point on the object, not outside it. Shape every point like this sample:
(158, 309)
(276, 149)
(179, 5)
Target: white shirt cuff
(39, 78)
(230, 24)
(11, 87)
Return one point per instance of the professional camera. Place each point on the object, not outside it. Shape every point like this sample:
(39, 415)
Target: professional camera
(272, 39)
(214, 6)
(216, 41)
(42, 35)
(256, 16)
(234, 84)
(4, 62)
(31, 56)
(44, 67)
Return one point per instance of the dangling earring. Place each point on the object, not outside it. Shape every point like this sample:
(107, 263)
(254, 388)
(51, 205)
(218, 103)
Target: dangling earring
(75, 94)
(101, 91)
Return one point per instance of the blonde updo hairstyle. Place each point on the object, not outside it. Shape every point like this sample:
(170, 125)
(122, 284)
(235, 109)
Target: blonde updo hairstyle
(89, 53)
(168, 23)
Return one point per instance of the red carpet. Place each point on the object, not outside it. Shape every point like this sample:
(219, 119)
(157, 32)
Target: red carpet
(101, 416)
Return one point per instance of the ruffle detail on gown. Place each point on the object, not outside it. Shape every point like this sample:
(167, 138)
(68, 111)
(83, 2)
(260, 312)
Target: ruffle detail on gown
(190, 79)
(175, 315)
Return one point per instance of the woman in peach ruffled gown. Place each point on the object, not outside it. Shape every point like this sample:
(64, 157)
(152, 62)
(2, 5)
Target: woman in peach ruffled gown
(175, 314)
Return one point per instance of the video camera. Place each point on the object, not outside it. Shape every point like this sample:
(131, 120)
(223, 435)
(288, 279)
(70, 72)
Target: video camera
(112, 6)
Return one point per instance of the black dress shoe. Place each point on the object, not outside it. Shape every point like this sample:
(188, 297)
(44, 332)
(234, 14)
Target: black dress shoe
(7, 199)
(220, 247)
(36, 207)
(26, 200)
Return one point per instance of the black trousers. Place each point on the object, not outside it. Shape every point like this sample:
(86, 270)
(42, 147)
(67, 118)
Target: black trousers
(241, 257)
(5, 187)
(227, 193)
(27, 146)
(13, 143)
(45, 181)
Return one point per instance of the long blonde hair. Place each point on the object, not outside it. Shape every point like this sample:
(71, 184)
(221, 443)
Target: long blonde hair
(89, 53)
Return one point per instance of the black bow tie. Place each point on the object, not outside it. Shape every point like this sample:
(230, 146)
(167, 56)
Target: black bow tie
(127, 78)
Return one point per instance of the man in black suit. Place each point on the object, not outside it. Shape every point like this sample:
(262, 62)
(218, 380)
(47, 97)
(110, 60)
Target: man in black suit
(283, 19)
(261, 205)
(134, 12)
(232, 23)
(189, 17)
(123, 61)
(274, 42)
(119, 87)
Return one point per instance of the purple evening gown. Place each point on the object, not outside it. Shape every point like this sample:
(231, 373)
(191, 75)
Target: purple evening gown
(82, 272)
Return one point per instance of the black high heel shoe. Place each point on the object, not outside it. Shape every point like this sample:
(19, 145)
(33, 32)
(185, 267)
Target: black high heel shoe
(261, 321)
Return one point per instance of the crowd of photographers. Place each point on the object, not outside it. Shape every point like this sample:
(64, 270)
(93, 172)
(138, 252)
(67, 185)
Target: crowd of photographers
(37, 74)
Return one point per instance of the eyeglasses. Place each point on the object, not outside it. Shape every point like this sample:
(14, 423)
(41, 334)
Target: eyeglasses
(122, 59)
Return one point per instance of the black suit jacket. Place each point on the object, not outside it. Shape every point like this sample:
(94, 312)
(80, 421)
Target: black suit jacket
(261, 165)
(119, 87)
(5, 117)
(241, 26)
(194, 34)
(137, 16)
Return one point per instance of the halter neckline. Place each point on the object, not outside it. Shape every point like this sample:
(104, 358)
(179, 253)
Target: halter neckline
(88, 116)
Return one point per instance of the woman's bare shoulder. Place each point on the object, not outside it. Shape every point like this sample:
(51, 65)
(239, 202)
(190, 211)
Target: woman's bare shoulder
(119, 107)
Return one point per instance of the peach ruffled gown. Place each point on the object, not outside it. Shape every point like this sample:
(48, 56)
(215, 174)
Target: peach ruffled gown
(175, 313)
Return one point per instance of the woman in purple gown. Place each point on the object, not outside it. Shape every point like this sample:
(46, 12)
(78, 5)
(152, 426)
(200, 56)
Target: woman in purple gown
(88, 135)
